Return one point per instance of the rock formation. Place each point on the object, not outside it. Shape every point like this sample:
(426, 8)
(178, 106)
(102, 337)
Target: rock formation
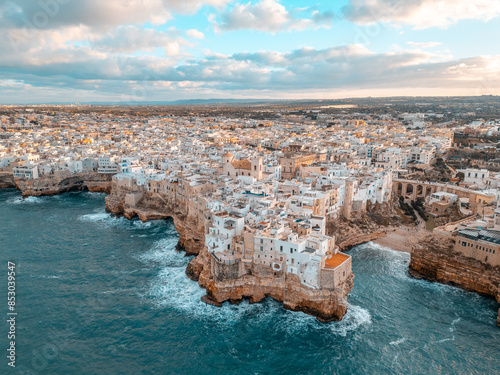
(224, 282)
(7, 181)
(433, 259)
(64, 182)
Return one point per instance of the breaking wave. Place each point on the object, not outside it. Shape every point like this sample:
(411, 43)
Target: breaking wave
(28, 200)
(106, 220)
(172, 289)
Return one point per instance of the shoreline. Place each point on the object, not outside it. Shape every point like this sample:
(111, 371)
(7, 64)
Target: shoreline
(399, 239)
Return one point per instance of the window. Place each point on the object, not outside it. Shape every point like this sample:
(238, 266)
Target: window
(281, 248)
(228, 247)
(261, 248)
(291, 251)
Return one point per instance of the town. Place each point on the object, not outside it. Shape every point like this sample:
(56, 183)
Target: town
(269, 197)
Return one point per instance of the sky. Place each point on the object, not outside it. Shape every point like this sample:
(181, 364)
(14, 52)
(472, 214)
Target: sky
(164, 50)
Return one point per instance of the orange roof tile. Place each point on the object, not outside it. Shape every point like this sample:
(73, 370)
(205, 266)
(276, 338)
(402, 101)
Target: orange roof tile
(336, 260)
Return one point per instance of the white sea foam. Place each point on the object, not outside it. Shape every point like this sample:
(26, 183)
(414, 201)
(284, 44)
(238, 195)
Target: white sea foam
(171, 288)
(95, 195)
(99, 216)
(453, 324)
(355, 318)
(163, 252)
(398, 341)
(28, 200)
(106, 220)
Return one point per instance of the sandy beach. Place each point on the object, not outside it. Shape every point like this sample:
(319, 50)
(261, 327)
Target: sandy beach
(399, 239)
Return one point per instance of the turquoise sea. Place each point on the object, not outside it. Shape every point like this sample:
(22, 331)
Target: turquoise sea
(103, 295)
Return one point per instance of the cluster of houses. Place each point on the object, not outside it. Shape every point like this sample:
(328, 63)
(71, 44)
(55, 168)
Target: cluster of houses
(263, 191)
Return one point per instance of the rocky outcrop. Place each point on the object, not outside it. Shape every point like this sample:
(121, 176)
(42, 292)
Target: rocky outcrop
(433, 259)
(325, 305)
(7, 181)
(259, 282)
(255, 284)
(152, 207)
(64, 182)
(356, 239)
(366, 226)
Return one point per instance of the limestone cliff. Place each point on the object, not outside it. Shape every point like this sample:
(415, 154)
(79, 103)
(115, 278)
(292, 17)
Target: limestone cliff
(366, 226)
(63, 182)
(221, 281)
(7, 180)
(433, 259)
(152, 207)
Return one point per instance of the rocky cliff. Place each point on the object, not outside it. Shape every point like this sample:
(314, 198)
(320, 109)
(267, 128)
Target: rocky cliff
(152, 207)
(256, 283)
(433, 259)
(366, 226)
(7, 180)
(61, 183)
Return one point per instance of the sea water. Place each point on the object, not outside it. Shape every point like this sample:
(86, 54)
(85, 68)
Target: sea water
(103, 295)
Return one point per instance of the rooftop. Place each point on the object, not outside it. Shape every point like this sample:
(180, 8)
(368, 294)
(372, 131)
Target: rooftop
(336, 260)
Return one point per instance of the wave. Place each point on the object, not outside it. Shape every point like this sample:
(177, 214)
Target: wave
(27, 200)
(106, 220)
(172, 289)
(398, 341)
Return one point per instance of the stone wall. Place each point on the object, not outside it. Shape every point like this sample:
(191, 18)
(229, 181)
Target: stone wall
(433, 259)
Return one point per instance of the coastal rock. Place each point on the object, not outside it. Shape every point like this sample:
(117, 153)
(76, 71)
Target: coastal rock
(433, 259)
(325, 305)
(7, 181)
(63, 182)
(256, 284)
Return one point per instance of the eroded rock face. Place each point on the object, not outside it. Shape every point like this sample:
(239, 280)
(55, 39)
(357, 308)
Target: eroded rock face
(365, 226)
(7, 181)
(150, 207)
(433, 259)
(325, 305)
(221, 285)
(57, 184)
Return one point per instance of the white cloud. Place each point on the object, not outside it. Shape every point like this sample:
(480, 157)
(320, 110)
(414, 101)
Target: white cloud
(424, 44)
(270, 16)
(132, 39)
(98, 14)
(191, 6)
(193, 33)
(94, 13)
(421, 14)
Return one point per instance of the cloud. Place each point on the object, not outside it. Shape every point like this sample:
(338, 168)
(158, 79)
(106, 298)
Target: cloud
(193, 33)
(51, 14)
(424, 44)
(82, 72)
(191, 6)
(99, 14)
(420, 14)
(270, 16)
(131, 39)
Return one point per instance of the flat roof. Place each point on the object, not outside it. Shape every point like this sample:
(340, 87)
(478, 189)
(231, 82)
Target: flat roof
(336, 260)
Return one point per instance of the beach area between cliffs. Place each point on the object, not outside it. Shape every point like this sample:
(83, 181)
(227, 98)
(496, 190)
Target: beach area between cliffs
(400, 239)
